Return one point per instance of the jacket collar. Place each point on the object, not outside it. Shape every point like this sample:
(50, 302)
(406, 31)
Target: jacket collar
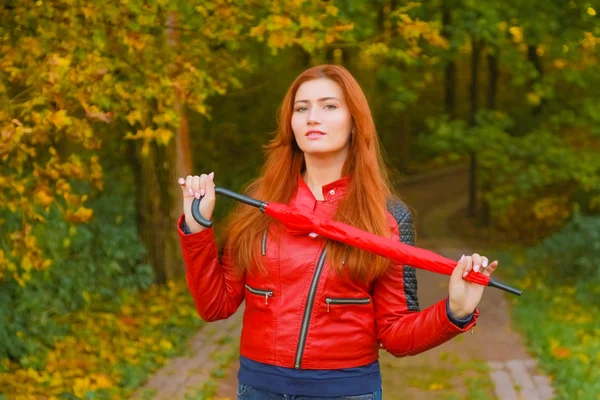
(332, 193)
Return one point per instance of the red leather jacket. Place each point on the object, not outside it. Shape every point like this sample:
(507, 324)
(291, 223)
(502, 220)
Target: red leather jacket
(305, 315)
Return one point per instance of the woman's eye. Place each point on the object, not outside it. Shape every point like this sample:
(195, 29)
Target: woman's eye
(301, 109)
(330, 107)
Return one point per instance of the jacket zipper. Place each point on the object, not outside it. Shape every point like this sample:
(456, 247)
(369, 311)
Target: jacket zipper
(263, 244)
(338, 300)
(266, 293)
(310, 301)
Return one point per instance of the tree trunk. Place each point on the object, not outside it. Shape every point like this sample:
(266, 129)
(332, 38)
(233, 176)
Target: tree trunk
(493, 75)
(450, 69)
(533, 58)
(384, 24)
(474, 98)
(158, 196)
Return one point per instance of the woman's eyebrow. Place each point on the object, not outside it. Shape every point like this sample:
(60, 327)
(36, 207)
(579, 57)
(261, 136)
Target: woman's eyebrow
(321, 99)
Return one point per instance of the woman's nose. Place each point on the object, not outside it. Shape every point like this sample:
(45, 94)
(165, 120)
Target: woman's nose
(313, 117)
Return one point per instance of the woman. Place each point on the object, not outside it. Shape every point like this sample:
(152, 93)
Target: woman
(317, 312)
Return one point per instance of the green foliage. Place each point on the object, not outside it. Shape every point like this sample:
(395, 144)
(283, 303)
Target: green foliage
(559, 310)
(562, 333)
(537, 179)
(573, 254)
(99, 258)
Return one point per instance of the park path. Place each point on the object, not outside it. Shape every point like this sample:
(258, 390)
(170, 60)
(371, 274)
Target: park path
(491, 362)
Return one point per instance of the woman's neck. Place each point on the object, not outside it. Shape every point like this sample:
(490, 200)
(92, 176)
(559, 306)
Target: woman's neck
(320, 172)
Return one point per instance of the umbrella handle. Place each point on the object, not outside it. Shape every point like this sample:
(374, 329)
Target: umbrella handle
(228, 193)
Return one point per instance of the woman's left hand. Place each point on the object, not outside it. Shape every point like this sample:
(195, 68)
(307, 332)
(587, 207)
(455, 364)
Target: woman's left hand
(464, 296)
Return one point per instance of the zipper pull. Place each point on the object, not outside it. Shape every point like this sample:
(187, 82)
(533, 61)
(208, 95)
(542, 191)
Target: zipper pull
(266, 299)
(328, 301)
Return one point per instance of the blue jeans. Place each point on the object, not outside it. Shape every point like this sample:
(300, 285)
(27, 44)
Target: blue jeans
(246, 392)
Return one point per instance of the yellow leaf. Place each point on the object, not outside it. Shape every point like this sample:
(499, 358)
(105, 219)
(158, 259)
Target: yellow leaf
(19, 280)
(165, 344)
(26, 263)
(102, 381)
(59, 119)
(43, 198)
(332, 10)
(307, 21)
(133, 117)
(81, 215)
(533, 99)
(584, 358)
(435, 386)
(559, 64)
(19, 187)
(163, 136)
(517, 34)
(591, 11)
(130, 351)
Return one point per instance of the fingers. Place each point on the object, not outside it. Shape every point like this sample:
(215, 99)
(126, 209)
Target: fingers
(209, 186)
(459, 269)
(476, 262)
(481, 264)
(468, 266)
(464, 266)
(484, 262)
(490, 268)
(188, 186)
(197, 185)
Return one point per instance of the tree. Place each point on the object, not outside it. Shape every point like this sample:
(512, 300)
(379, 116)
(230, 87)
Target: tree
(74, 75)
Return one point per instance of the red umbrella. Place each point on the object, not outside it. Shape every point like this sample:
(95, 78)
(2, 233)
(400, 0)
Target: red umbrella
(302, 222)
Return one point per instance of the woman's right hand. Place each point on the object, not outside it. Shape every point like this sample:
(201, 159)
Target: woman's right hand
(195, 187)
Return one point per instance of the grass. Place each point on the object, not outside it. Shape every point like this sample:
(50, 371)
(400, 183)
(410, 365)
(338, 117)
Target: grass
(560, 330)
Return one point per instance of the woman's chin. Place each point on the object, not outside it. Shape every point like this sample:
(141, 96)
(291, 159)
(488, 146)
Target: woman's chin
(322, 152)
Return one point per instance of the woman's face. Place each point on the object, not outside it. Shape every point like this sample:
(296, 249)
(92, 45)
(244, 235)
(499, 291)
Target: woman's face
(321, 120)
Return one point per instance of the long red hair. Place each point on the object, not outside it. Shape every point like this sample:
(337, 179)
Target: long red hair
(363, 206)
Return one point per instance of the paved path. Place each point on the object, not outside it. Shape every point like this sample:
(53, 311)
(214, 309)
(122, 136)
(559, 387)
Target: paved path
(195, 374)
(490, 363)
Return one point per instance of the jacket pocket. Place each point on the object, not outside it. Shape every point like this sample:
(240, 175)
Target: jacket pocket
(260, 292)
(341, 301)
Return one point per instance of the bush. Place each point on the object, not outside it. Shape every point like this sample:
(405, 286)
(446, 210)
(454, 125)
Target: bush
(98, 258)
(559, 311)
(572, 255)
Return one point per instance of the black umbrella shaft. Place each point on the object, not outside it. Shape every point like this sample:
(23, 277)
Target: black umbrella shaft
(505, 287)
(228, 193)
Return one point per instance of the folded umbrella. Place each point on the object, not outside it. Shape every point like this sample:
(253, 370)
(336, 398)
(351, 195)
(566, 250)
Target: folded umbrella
(299, 221)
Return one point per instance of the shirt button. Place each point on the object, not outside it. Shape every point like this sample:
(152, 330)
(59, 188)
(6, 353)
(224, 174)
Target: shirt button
(332, 192)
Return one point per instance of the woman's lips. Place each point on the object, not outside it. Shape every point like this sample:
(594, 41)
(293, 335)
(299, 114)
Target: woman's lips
(314, 134)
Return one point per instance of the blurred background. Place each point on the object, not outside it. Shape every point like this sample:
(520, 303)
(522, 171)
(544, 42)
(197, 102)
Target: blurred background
(103, 105)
